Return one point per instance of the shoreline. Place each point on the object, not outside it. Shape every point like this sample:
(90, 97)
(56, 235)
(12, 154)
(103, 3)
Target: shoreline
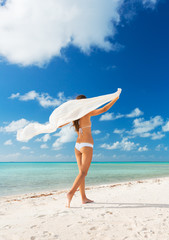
(36, 185)
(51, 192)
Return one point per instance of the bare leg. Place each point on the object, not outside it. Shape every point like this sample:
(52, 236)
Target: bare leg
(86, 159)
(76, 184)
(82, 192)
(78, 155)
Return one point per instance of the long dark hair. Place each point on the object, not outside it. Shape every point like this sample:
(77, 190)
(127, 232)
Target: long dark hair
(76, 122)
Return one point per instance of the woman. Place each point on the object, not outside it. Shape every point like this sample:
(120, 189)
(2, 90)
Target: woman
(84, 149)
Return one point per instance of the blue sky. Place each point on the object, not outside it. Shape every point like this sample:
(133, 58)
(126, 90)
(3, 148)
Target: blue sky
(86, 49)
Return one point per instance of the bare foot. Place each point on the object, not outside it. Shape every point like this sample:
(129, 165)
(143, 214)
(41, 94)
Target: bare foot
(69, 198)
(86, 200)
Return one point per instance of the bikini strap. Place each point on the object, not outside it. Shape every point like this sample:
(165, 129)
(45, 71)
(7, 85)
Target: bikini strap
(86, 126)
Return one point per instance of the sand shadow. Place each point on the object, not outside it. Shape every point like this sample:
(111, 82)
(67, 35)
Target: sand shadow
(122, 205)
(129, 205)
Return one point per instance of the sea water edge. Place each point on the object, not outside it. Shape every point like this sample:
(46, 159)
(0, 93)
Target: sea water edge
(22, 180)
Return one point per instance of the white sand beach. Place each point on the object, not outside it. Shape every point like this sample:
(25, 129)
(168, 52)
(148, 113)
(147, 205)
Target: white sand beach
(123, 211)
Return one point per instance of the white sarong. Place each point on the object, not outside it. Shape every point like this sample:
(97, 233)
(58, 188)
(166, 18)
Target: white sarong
(65, 113)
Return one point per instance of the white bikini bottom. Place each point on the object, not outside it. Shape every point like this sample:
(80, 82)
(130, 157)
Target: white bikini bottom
(78, 146)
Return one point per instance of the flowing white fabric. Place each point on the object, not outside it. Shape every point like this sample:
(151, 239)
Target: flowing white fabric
(65, 113)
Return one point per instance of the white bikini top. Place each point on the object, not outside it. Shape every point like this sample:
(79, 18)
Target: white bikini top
(80, 129)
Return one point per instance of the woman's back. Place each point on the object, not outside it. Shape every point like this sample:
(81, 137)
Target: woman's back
(84, 134)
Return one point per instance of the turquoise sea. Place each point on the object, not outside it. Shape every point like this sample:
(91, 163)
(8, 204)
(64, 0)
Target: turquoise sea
(16, 178)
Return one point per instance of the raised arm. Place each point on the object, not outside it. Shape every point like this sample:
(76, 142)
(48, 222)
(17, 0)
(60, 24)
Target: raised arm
(103, 109)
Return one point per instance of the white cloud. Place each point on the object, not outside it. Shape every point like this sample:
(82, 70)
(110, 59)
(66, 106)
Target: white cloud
(149, 3)
(157, 135)
(32, 32)
(29, 96)
(8, 142)
(44, 99)
(45, 138)
(128, 145)
(25, 148)
(14, 95)
(66, 134)
(123, 145)
(115, 145)
(14, 125)
(26, 97)
(44, 146)
(142, 128)
(153, 136)
(111, 67)
(106, 117)
(161, 147)
(10, 157)
(143, 149)
(58, 155)
(119, 115)
(97, 155)
(96, 132)
(166, 127)
(135, 113)
(119, 131)
(105, 137)
(110, 116)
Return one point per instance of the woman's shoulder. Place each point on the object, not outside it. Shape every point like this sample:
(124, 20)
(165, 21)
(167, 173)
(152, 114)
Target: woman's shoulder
(85, 118)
